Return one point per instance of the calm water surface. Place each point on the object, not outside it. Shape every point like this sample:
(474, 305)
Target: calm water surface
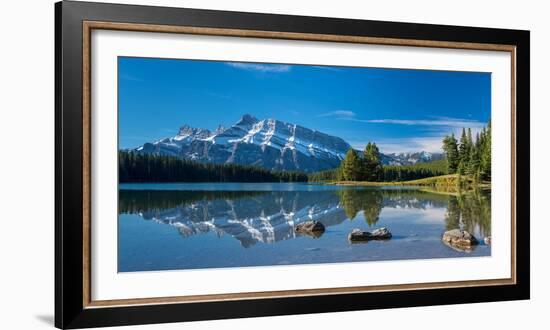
(188, 226)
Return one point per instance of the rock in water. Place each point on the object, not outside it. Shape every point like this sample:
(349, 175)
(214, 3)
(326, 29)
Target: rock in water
(459, 240)
(487, 240)
(358, 235)
(311, 228)
(381, 233)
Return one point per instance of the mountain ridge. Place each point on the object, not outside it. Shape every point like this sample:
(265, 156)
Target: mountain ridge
(267, 143)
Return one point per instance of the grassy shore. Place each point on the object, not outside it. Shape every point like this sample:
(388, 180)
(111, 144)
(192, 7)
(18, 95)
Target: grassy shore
(443, 181)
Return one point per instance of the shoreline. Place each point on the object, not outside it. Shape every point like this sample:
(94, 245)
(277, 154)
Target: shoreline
(450, 182)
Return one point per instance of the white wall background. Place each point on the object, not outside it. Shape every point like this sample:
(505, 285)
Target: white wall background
(27, 168)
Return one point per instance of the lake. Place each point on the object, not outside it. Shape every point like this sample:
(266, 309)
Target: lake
(215, 225)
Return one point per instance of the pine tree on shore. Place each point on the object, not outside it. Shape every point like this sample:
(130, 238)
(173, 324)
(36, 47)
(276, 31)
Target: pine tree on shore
(450, 148)
(474, 159)
(351, 166)
(372, 168)
(463, 153)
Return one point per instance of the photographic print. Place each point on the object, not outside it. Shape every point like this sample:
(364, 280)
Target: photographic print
(234, 164)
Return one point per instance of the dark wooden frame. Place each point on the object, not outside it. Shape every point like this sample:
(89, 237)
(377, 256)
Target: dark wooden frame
(74, 21)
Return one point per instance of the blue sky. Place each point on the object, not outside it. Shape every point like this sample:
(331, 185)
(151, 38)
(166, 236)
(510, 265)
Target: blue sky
(400, 110)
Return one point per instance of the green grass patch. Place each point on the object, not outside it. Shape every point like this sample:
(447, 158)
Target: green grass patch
(448, 180)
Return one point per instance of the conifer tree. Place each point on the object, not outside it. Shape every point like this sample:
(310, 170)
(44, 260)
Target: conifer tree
(372, 168)
(451, 151)
(463, 152)
(470, 156)
(351, 166)
(474, 160)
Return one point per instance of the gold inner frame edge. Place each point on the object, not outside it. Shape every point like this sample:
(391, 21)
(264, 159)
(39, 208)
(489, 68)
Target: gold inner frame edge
(88, 26)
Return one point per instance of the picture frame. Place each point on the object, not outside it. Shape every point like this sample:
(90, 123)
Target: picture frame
(74, 24)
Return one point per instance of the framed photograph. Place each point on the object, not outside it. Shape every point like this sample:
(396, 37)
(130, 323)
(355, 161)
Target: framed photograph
(215, 164)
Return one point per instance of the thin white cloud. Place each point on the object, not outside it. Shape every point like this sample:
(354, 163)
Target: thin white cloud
(260, 67)
(339, 114)
(327, 68)
(440, 121)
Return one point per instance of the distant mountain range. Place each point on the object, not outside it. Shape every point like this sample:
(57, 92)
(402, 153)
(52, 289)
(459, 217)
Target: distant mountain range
(267, 143)
(410, 158)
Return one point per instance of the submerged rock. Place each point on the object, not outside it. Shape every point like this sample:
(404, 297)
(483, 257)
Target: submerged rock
(311, 228)
(358, 235)
(487, 240)
(459, 240)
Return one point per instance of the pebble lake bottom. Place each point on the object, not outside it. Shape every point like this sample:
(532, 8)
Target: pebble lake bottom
(194, 226)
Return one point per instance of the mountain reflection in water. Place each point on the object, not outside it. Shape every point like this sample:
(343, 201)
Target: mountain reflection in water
(270, 216)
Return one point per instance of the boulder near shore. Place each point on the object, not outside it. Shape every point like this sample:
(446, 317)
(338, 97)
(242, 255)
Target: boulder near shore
(311, 228)
(459, 240)
(358, 235)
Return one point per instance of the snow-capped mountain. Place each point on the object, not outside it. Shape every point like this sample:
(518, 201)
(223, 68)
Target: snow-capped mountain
(268, 143)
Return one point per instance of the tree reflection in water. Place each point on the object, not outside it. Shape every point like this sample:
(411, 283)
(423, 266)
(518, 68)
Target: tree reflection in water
(470, 211)
(368, 201)
(269, 216)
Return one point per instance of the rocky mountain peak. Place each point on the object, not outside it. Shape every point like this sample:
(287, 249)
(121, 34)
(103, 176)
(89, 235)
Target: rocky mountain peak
(187, 130)
(247, 119)
(220, 129)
